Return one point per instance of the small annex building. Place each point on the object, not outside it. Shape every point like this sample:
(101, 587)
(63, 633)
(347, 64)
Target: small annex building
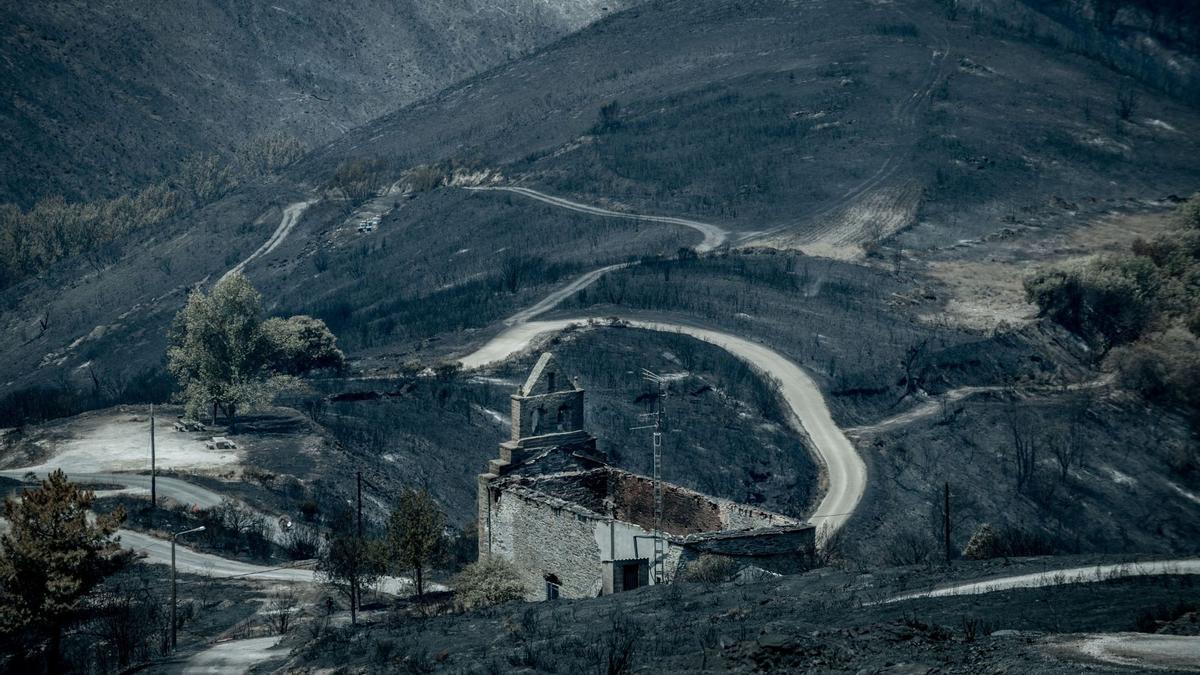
(575, 526)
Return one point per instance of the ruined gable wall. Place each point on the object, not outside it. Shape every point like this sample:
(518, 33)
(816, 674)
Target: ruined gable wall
(684, 511)
(523, 413)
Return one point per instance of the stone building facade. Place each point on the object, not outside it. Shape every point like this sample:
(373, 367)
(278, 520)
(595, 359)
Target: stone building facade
(575, 526)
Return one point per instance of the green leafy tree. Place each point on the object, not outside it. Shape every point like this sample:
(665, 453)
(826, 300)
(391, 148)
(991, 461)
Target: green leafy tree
(225, 355)
(1188, 213)
(50, 558)
(416, 535)
(218, 350)
(350, 563)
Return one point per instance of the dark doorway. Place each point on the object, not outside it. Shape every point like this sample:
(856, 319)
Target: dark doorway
(629, 576)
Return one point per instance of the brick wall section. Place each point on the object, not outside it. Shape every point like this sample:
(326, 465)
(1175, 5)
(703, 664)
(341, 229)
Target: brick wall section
(684, 511)
(735, 516)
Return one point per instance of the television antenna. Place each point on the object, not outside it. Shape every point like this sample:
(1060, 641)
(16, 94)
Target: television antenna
(658, 416)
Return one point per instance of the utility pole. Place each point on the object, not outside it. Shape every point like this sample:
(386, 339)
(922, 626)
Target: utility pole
(174, 594)
(946, 518)
(153, 472)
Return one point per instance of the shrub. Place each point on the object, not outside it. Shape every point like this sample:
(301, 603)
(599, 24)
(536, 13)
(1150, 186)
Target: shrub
(1151, 619)
(310, 510)
(359, 179)
(1188, 213)
(710, 569)
(1008, 542)
(1108, 300)
(1126, 104)
(486, 583)
(982, 543)
(1163, 367)
(911, 546)
(302, 543)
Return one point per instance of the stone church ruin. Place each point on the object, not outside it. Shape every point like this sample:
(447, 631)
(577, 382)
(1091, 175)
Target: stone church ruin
(575, 526)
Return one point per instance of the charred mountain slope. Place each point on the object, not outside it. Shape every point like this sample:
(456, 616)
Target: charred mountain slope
(100, 97)
(832, 114)
(1157, 41)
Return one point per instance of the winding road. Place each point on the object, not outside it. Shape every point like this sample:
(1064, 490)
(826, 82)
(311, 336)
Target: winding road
(234, 656)
(1143, 650)
(188, 561)
(183, 492)
(551, 301)
(714, 235)
(1071, 575)
(846, 474)
(192, 562)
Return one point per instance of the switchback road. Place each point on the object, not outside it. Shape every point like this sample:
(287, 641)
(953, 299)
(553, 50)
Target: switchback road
(714, 235)
(846, 474)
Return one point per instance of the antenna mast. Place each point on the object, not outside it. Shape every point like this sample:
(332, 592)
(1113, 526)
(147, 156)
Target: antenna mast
(660, 542)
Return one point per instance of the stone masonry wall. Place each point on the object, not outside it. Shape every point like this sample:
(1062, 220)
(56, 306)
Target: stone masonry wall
(786, 551)
(523, 412)
(543, 539)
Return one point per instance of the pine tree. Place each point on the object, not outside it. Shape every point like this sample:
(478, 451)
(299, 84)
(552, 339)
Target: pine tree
(51, 557)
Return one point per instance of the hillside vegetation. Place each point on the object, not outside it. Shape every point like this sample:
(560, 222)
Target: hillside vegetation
(1156, 41)
(884, 122)
(1144, 306)
(54, 229)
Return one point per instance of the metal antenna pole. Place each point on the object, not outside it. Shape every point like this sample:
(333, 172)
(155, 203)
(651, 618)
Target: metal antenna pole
(660, 542)
(153, 471)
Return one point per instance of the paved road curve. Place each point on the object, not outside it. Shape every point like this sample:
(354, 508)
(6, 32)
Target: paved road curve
(714, 235)
(192, 562)
(189, 561)
(1073, 575)
(846, 472)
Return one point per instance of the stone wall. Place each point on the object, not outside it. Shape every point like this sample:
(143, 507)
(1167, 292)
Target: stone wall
(784, 550)
(544, 537)
(546, 409)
